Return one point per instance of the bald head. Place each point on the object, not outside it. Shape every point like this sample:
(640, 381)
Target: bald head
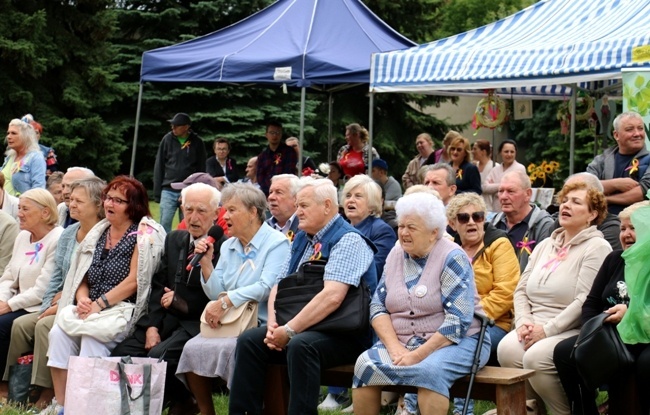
(73, 174)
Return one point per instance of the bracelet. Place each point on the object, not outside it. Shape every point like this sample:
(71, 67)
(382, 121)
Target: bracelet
(100, 306)
(105, 300)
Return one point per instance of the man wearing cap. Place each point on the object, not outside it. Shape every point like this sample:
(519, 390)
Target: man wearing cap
(277, 158)
(181, 152)
(389, 186)
(177, 298)
(390, 189)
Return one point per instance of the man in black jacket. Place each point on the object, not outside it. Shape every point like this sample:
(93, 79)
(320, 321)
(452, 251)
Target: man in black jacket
(181, 152)
(177, 298)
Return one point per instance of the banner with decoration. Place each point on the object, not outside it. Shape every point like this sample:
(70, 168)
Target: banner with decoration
(636, 96)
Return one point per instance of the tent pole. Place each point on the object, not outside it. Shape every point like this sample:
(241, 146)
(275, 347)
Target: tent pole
(371, 117)
(572, 146)
(135, 134)
(330, 117)
(303, 97)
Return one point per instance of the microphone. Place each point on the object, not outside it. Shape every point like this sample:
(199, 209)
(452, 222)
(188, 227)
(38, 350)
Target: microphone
(215, 233)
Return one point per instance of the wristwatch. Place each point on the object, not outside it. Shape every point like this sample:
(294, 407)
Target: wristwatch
(224, 305)
(290, 332)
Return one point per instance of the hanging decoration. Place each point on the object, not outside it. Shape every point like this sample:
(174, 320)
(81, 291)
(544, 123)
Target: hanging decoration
(491, 112)
(564, 113)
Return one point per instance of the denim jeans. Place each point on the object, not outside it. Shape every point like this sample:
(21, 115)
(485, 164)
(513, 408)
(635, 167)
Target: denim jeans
(168, 204)
(306, 355)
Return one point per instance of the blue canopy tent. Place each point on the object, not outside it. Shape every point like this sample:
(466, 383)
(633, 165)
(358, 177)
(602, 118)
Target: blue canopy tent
(324, 45)
(547, 50)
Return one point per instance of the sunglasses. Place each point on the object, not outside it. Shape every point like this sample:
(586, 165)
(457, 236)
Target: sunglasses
(477, 217)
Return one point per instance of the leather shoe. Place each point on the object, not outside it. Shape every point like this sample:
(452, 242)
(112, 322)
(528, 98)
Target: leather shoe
(189, 407)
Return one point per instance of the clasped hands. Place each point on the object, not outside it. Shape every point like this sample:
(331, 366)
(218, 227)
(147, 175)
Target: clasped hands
(276, 337)
(529, 334)
(86, 307)
(401, 356)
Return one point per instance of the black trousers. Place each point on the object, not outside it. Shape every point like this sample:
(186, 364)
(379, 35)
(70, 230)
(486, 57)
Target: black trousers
(172, 347)
(628, 392)
(306, 355)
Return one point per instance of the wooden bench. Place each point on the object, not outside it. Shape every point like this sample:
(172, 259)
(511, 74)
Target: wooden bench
(504, 386)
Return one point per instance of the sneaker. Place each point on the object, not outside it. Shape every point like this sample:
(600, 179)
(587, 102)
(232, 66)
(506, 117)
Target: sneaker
(52, 409)
(337, 401)
(349, 409)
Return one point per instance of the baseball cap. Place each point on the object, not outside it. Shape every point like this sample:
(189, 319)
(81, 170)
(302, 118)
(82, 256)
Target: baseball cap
(180, 119)
(204, 178)
(380, 163)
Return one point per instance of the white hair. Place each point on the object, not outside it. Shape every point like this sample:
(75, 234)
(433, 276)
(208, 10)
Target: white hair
(425, 206)
(86, 170)
(323, 189)
(370, 188)
(630, 114)
(294, 182)
(215, 195)
(27, 136)
(589, 179)
(521, 176)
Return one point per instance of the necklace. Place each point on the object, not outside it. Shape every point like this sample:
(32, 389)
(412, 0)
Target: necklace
(110, 238)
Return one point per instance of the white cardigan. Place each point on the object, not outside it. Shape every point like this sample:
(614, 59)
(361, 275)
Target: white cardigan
(151, 245)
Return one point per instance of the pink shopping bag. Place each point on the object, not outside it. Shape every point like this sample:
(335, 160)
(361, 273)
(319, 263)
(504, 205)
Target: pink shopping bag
(115, 386)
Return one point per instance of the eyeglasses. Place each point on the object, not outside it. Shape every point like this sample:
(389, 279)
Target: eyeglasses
(274, 132)
(477, 217)
(458, 149)
(115, 200)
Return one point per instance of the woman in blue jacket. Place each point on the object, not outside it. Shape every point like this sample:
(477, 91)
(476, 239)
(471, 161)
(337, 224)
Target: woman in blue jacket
(24, 165)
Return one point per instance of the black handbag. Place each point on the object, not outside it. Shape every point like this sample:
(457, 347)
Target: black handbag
(600, 353)
(298, 289)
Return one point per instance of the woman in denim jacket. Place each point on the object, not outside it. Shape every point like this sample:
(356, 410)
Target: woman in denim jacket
(24, 165)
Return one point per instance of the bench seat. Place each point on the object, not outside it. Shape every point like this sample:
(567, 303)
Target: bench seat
(506, 387)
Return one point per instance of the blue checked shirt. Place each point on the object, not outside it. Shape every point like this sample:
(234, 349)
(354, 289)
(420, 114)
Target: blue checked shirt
(349, 259)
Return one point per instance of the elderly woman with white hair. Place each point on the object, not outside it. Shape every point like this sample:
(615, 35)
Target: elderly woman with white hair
(362, 206)
(24, 165)
(422, 312)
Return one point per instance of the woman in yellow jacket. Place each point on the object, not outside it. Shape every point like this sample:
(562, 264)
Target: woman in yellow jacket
(496, 269)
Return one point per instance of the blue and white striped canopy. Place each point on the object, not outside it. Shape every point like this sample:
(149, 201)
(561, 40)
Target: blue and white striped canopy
(535, 52)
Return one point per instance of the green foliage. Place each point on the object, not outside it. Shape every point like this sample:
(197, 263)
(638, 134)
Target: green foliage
(76, 65)
(56, 66)
(540, 139)
(459, 16)
(638, 96)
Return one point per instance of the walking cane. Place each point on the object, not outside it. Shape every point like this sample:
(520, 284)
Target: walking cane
(485, 322)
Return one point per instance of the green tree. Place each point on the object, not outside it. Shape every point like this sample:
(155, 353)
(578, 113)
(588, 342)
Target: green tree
(56, 65)
(458, 16)
(541, 138)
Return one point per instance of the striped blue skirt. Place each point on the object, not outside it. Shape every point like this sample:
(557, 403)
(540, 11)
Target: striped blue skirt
(437, 372)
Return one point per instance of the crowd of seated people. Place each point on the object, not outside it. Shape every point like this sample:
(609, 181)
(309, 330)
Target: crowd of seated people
(538, 277)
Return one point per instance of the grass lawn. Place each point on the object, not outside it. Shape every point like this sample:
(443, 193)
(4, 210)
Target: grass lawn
(221, 407)
(155, 214)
